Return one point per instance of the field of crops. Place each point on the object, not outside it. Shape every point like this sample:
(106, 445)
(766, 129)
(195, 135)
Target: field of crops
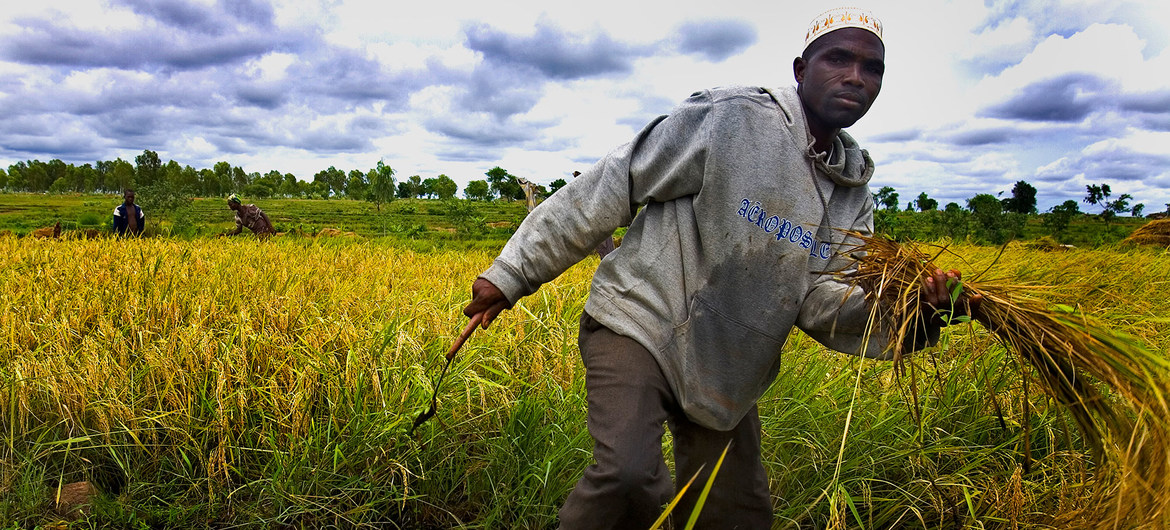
(239, 383)
(406, 219)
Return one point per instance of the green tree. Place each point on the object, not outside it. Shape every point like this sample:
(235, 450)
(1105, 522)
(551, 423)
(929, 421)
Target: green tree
(984, 205)
(317, 190)
(3, 179)
(1097, 195)
(478, 190)
(170, 173)
(504, 185)
(290, 186)
(240, 179)
(36, 177)
(188, 179)
(428, 188)
(93, 178)
(223, 177)
(445, 188)
(381, 184)
(414, 185)
(466, 218)
(333, 180)
(1023, 199)
(954, 220)
(259, 190)
(122, 175)
(1058, 217)
(987, 211)
(356, 186)
(887, 198)
(59, 186)
(1116, 206)
(272, 179)
(17, 181)
(209, 183)
(167, 200)
(105, 171)
(556, 185)
(149, 168)
(82, 178)
(56, 169)
(1137, 209)
(925, 203)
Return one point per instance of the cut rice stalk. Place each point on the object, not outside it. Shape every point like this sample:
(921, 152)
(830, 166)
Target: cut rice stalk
(1069, 354)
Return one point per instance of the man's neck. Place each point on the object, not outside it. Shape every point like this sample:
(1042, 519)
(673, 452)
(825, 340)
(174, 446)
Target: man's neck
(822, 140)
(822, 134)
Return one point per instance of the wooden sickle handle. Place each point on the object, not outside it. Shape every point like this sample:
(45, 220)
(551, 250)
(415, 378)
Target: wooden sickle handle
(467, 331)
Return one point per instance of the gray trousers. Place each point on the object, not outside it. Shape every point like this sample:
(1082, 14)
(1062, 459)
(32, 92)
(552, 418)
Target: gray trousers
(628, 485)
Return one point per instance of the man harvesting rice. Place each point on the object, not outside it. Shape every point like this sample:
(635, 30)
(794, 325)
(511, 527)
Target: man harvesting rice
(747, 192)
(250, 216)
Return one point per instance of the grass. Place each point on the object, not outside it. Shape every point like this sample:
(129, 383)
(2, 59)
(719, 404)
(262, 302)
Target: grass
(406, 220)
(237, 383)
(416, 221)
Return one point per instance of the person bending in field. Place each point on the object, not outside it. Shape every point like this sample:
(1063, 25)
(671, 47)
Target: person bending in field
(250, 216)
(744, 195)
(128, 217)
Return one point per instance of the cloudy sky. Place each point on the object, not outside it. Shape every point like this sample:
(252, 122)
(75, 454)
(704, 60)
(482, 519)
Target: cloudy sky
(977, 95)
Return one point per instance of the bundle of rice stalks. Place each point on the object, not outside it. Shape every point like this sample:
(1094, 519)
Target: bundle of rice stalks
(1156, 232)
(1066, 354)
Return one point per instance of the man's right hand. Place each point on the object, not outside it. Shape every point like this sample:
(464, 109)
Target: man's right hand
(486, 298)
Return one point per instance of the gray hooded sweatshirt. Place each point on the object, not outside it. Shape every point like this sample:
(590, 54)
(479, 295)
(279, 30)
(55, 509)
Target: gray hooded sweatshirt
(740, 221)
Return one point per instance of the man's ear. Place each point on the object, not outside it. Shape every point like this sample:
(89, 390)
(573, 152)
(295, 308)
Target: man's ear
(798, 66)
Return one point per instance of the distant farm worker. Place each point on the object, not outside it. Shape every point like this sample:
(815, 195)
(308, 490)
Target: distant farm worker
(250, 216)
(128, 217)
(744, 194)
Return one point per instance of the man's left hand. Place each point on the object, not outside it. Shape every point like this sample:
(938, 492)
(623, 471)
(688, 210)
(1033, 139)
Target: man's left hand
(944, 301)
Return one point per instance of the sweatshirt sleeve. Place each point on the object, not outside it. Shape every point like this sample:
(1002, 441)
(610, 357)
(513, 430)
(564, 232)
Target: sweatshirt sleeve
(664, 161)
(837, 314)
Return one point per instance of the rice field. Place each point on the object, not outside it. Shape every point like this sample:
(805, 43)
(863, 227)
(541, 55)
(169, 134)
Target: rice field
(246, 384)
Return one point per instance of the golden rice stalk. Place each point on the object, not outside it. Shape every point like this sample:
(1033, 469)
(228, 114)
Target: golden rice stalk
(1070, 355)
(1156, 232)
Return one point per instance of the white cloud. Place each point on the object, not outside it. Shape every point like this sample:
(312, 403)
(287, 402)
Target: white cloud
(1008, 41)
(270, 67)
(347, 82)
(1108, 51)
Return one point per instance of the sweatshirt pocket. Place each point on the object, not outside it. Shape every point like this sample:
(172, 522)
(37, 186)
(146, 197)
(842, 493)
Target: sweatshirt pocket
(724, 365)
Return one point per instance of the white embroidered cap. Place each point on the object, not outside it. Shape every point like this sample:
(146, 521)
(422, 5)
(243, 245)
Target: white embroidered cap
(842, 17)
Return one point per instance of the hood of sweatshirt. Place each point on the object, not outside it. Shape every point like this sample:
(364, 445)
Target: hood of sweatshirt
(853, 169)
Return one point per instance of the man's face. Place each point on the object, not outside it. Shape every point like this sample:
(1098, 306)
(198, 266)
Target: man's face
(841, 77)
(128, 197)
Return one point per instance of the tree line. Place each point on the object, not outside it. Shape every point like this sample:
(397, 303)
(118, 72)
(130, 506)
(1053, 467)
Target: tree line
(170, 184)
(1022, 200)
(993, 219)
(149, 173)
